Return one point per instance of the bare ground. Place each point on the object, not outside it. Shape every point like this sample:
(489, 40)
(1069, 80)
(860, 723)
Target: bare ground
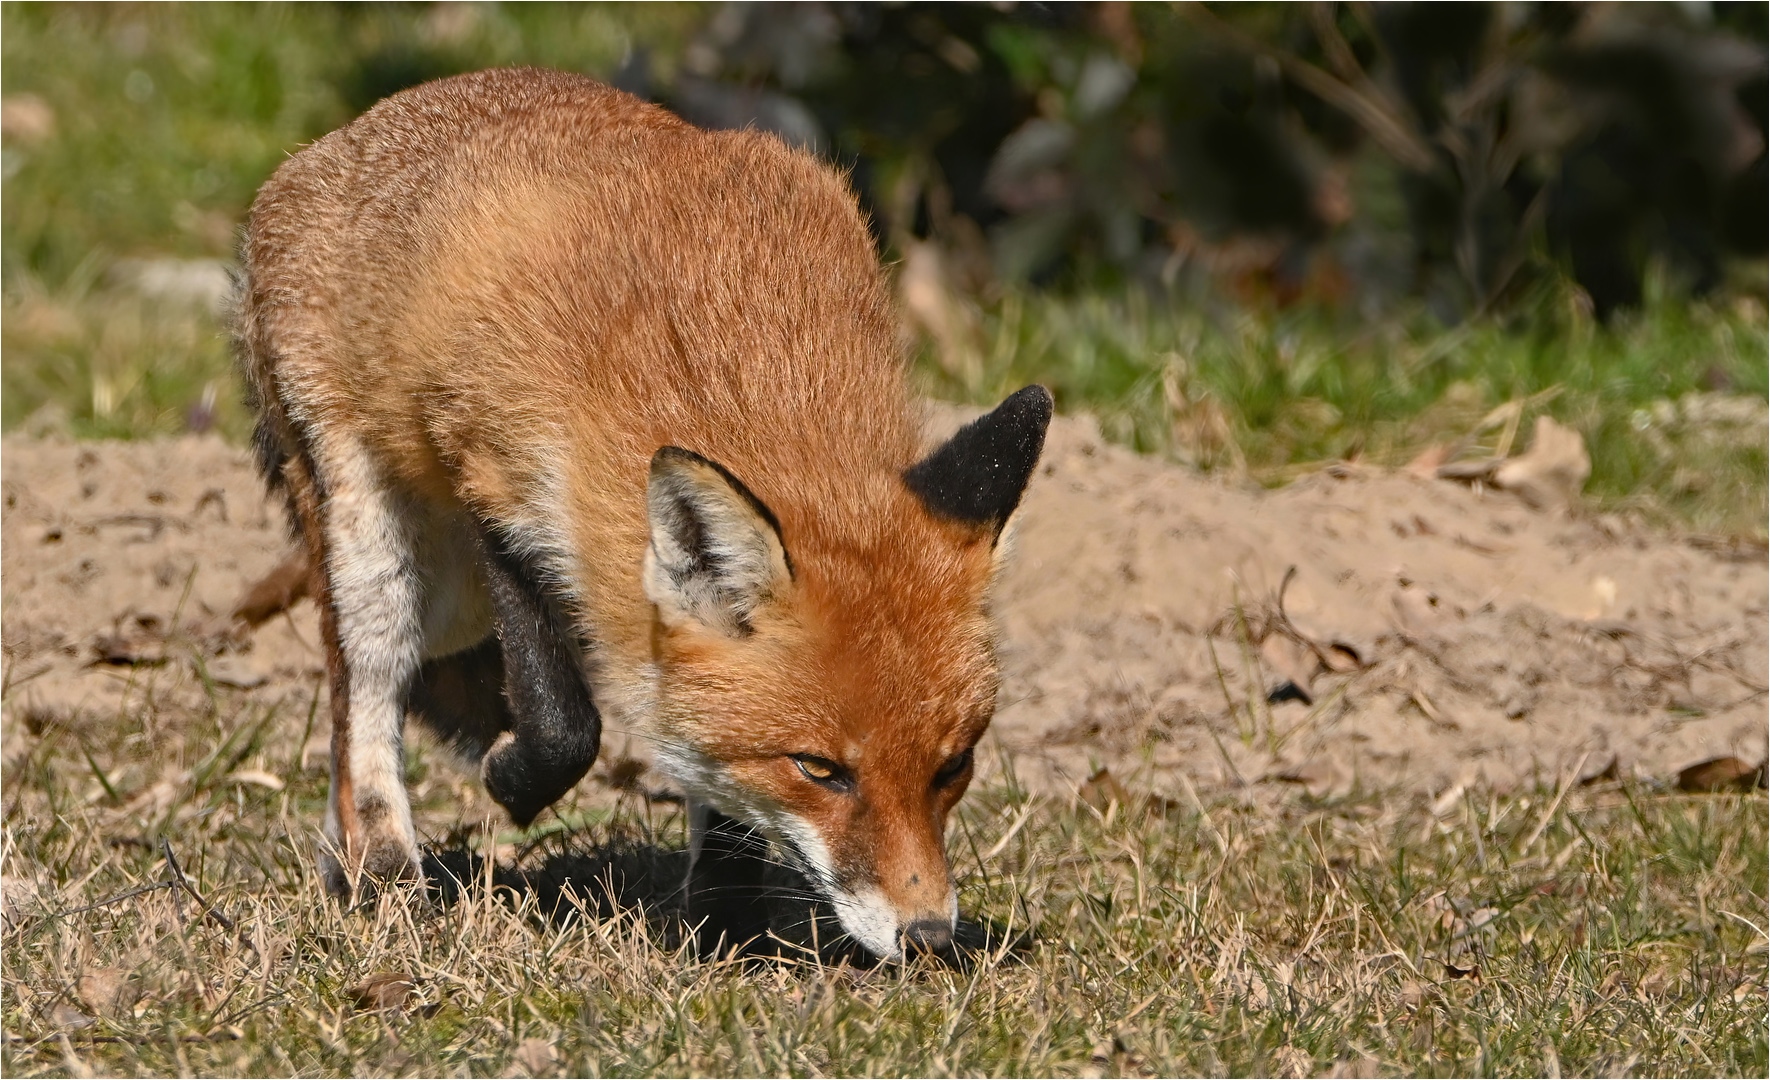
(1435, 636)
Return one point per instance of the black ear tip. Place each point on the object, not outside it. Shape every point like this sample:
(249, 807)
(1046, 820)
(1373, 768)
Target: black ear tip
(1036, 399)
(979, 474)
(1030, 409)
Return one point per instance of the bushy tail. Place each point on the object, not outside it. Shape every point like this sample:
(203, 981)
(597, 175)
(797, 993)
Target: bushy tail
(273, 441)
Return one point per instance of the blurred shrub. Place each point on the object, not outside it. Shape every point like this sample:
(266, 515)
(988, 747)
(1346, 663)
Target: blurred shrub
(1344, 150)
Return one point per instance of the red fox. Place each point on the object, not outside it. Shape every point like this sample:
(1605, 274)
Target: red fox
(585, 415)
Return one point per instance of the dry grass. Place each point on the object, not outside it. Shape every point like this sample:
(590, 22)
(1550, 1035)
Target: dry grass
(1602, 929)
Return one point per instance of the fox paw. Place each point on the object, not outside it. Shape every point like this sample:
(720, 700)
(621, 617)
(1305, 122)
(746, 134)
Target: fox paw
(525, 779)
(358, 869)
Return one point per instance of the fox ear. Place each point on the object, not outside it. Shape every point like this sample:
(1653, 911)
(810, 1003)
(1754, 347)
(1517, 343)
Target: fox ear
(977, 476)
(716, 554)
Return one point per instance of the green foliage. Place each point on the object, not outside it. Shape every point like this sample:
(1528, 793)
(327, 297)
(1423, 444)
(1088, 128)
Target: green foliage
(1269, 392)
(165, 118)
(1094, 144)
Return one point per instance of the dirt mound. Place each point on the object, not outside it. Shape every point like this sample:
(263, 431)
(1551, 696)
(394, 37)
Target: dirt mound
(1407, 631)
(1358, 627)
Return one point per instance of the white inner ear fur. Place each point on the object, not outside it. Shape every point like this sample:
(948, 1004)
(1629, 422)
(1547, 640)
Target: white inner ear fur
(1003, 552)
(713, 560)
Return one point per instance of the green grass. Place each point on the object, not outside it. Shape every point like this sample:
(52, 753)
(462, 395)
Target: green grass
(1670, 401)
(167, 117)
(1610, 929)
(140, 132)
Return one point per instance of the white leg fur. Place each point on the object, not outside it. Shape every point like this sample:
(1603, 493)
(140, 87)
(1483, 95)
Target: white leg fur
(376, 593)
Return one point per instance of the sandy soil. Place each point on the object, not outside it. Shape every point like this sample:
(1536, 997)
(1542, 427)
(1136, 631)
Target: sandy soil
(1432, 634)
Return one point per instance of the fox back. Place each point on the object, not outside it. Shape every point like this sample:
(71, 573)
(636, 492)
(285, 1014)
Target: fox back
(590, 416)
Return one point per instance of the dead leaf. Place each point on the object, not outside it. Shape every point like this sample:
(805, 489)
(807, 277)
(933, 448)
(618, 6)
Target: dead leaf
(534, 1057)
(1605, 770)
(274, 593)
(1475, 920)
(383, 990)
(1288, 691)
(1425, 465)
(1551, 474)
(1718, 774)
(127, 648)
(258, 777)
(1468, 471)
(1448, 801)
(1472, 973)
(64, 1017)
(1295, 662)
(1320, 776)
(1102, 790)
(108, 991)
(238, 676)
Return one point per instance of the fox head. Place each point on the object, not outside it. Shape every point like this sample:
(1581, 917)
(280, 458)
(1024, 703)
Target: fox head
(828, 686)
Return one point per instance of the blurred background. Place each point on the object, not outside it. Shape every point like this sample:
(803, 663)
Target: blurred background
(1252, 237)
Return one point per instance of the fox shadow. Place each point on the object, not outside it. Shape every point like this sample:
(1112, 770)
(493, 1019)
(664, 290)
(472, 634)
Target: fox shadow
(629, 876)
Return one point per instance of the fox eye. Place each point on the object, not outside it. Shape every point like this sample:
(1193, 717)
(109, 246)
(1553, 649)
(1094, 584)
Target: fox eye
(824, 772)
(953, 769)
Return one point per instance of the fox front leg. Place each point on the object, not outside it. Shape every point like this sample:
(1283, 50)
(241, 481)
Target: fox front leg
(727, 882)
(555, 729)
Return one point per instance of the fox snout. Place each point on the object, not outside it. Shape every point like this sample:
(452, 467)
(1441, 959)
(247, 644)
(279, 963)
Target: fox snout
(893, 909)
(889, 934)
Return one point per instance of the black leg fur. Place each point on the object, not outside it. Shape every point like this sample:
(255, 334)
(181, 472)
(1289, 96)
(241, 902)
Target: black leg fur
(555, 726)
(727, 885)
(460, 697)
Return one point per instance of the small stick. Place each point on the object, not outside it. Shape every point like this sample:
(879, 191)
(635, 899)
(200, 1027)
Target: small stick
(181, 881)
(1543, 822)
(119, 898)
(175, 879)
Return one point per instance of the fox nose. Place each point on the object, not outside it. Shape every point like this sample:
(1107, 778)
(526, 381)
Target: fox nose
(928, 935)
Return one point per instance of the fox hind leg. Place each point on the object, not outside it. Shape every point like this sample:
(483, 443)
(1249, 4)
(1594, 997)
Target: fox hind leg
(460, 697)
(366, 582)
(515, 704)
